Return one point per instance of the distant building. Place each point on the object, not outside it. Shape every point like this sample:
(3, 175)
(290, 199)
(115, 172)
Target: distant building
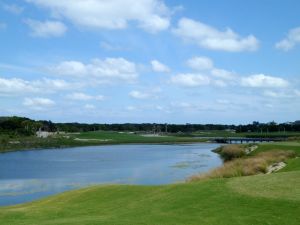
(45, 134)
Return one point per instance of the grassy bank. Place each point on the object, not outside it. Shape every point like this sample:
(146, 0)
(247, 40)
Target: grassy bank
(260, 199)
(87, 139)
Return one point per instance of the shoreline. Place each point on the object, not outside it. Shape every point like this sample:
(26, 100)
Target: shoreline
(88, 143)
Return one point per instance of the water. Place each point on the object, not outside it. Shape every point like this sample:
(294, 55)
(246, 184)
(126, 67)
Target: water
(30, 175)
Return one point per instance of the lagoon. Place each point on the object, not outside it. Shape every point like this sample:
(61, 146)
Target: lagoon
(30, 175)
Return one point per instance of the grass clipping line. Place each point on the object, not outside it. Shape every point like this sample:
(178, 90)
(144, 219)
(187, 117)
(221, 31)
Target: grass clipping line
(246, 166)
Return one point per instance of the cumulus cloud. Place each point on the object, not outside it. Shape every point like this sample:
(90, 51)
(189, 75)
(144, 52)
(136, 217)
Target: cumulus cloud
(261, 80)
(209, 37)
(150, 15)
(38, 103)
(190, 80)
(46, 29)
(213, 76)
(79, 96)
(13, 8)
(292, 39)
(104, 70)
(159, 67)
(200, 63)
(139, 95)
(17, 86)
(223, 74)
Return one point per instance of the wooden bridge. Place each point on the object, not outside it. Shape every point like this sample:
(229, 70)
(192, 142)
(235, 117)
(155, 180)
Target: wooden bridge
(246, 140)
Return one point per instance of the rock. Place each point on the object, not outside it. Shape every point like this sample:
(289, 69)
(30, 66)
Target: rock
(275, 167)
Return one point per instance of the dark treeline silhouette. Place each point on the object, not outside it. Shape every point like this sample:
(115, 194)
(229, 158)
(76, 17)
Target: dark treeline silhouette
(25, 126)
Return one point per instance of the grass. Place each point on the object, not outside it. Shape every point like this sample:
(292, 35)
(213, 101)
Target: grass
(117, 137)
(272, 199)
(275, 186)
(88, 139)
(224, 133)
(229, 152)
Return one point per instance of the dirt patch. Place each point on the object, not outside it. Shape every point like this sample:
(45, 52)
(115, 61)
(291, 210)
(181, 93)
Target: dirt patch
(86, 140)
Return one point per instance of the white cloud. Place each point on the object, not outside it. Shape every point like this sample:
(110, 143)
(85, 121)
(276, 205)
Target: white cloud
(17, 86)
(52, 85)
(13, 8)
(107, 69)
(159, 67)
(150, 15)
(286, 93)
(70, 68)
(190, 80)
(112, 47)
(261, 80)
(78, 96)
(292, 39)
(89, 106)
(46, 29)
(213, 76)
(200, 63)
(211, 38)
(139, 95)
(131, 108)
(273, 94)
(38, 103)
(223, 74)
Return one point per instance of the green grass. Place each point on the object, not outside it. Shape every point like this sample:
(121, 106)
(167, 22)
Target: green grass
(90, 138)
(116, 137)
(275, 186)
(224, 133)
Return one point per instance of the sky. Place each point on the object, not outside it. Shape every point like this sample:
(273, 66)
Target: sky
(156, 61)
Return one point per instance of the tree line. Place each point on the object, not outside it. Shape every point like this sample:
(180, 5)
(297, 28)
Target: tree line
(25, 126)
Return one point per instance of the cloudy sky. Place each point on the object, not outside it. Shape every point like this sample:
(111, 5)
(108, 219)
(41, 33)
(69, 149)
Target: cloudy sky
(172, 61)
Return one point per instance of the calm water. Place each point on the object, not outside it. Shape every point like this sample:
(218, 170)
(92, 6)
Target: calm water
(29, 175)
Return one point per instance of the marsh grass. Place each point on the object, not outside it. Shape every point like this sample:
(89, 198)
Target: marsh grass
(230, 152)
(246, 166)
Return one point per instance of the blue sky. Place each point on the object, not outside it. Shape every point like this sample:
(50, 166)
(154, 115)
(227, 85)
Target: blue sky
(150, 60)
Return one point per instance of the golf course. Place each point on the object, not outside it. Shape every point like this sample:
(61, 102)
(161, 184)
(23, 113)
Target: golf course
(258, 199)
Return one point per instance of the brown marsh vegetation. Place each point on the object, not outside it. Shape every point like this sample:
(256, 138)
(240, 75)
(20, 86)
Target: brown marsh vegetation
(246, 166)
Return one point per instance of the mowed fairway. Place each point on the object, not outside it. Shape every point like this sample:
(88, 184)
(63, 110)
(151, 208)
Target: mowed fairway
(261, 199)
(110, 137)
